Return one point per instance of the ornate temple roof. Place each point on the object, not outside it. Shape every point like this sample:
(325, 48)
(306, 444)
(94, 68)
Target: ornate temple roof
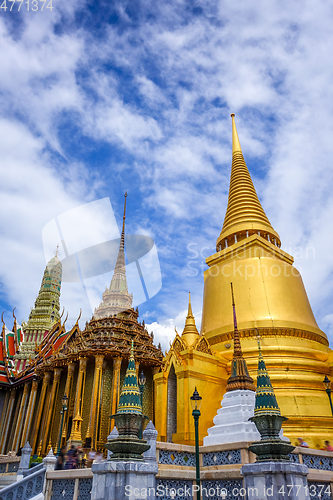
(239, 378)
(130, 398)
(266, 403)
(244, 211)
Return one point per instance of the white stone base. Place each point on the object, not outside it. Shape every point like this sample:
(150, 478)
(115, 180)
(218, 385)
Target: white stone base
(231, 424)
(119, 480)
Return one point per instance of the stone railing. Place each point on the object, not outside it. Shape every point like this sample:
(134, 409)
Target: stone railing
(68, 484)
(28, 487)
(220, 468)
(9, 465)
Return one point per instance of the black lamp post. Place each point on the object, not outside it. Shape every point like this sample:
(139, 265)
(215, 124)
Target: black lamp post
(327, 384)
(62, 413)
(196, 404)
(142, 383)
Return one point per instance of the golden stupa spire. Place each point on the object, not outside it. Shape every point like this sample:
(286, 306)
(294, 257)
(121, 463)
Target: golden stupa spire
(245, 215)
(190, 332)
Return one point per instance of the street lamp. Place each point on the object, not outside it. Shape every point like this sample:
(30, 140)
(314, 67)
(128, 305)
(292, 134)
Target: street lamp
(64, 402)
(142, 383)
(196, 404)
(327, 384)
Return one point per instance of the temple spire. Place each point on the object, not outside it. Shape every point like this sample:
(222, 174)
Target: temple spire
(245, 215)
(236, 147)
(190, 332)
(121, 254)
(239, 377)
(116, 298)
(130, 399)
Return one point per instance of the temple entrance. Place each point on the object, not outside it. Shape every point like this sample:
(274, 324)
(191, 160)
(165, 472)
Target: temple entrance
(172, 405)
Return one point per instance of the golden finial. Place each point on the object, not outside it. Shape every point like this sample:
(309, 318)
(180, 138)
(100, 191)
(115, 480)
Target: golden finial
(236, 147)
(190, 330)
(56, 253)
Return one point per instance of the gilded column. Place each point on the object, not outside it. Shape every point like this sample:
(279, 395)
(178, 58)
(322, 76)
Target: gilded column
(70, 373)
(3, 414)
(115, 390)
(46, 381)
(7, 421)
(155, 370)
(29, 414)
(95, 398)
(54, 392)
(76, 435)
(20, 418)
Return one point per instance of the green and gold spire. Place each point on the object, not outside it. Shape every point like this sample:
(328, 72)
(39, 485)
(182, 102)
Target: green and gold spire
(130, 399)
(47, 305)
(239, 377)
(266, 403)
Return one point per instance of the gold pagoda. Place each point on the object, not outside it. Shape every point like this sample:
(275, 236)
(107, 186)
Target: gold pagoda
(272, 303)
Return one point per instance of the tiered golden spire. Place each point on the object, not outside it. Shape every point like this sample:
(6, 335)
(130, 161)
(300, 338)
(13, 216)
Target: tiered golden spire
(190, 332)
(245, 215)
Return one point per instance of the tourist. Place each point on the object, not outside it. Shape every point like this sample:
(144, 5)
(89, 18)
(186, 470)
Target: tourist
(91, 457)
(98, 457)
(302, 443)
(327, 446)
(60, 463)
(71, 458)
(80, 455)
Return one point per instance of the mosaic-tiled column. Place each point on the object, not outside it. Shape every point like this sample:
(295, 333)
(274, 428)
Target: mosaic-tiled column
(115, 389)
(54, 392)
(46, 381)
(95, 399)
(7, 421)
(29, 413)
(69, 378)
(20, 418)
(79, 395)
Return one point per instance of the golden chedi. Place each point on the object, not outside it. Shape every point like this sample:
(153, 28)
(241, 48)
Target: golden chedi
(272, 303)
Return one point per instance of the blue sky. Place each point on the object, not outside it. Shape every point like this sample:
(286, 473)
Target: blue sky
(101, 97)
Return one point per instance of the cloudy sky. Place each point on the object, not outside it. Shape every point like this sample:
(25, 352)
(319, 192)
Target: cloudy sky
(100, 97)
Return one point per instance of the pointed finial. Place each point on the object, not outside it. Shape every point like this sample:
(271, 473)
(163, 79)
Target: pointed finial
(189, 305)
(132, 349)
(190, 330)
(236, 147)
(124, 216)
(56, 253)
(2, 317)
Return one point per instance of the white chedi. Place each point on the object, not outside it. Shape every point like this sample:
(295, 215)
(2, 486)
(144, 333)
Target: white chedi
(231, 424)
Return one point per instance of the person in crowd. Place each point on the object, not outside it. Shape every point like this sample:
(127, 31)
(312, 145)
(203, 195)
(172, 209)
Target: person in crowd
(98, 457)
(71, 458)
(91, 457)
(302, 443)
(61, 459)
(327, 446)
(80, 455)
